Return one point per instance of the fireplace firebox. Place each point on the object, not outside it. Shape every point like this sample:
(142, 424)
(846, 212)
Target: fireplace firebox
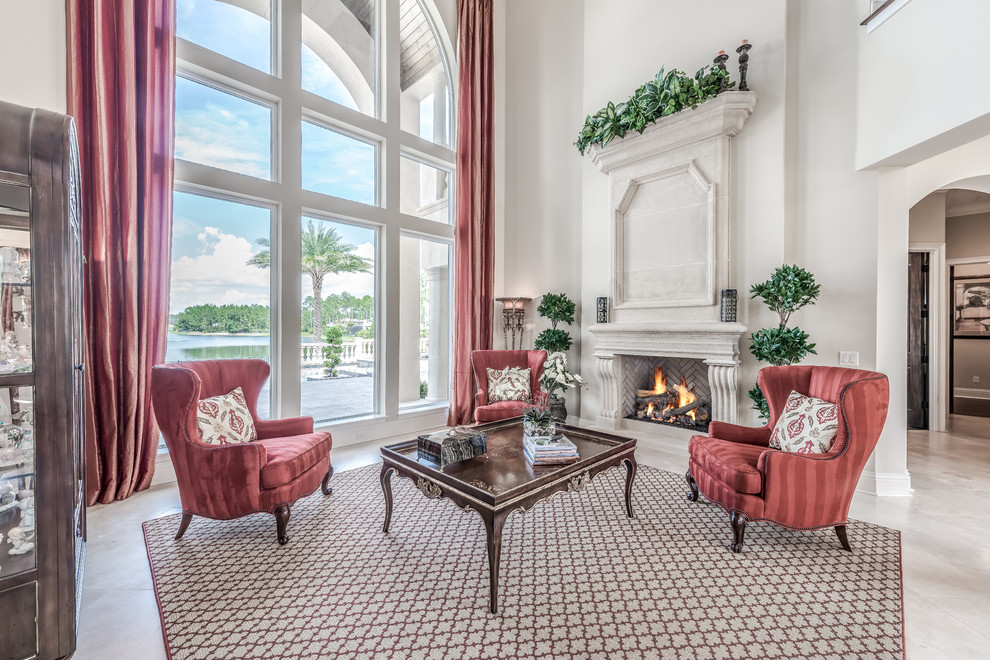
(668, 391)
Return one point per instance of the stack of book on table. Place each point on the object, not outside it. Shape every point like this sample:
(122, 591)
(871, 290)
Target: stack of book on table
(549, 451)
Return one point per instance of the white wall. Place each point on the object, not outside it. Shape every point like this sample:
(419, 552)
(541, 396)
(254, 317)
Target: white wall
(541, 109)
(831, 229)
(927, 219)
(32, 50)
(919, 92)
(968, 236)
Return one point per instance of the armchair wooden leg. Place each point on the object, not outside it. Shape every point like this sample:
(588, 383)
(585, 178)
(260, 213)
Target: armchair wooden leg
(693, 485)
(184, 525)
(738, 522)
(281, 522)
(325, 486)
(840, 531)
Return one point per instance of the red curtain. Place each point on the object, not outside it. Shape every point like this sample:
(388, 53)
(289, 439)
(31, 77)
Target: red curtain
(474, 268)
(121, 91)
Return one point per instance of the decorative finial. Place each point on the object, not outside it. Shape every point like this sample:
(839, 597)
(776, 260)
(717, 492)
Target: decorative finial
(743, 51)
(720, 59)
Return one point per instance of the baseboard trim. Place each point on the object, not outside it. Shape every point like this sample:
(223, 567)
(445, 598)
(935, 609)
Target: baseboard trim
(970, 393)
(886, 484)
(164, 470)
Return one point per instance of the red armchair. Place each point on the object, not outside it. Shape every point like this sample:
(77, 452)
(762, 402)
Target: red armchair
(228, 481)
(735, 468)
(483, 360)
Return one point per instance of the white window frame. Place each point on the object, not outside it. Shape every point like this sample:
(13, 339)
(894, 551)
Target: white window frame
(292, 105)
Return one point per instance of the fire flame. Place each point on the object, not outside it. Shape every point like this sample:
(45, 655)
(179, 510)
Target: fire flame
(684, 397)
(659, 381)
(649, 410)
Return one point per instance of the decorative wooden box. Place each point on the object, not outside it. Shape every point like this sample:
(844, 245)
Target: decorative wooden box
(450, 446)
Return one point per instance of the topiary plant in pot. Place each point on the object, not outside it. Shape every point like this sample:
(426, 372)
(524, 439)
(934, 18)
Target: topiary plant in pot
(559, 309)
(789, 289)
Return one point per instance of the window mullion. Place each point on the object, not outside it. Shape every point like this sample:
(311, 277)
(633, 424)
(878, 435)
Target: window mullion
(288, 145)
(390, 53)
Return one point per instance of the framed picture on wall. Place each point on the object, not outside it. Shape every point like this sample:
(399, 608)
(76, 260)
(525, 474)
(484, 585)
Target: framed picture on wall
(971, 307)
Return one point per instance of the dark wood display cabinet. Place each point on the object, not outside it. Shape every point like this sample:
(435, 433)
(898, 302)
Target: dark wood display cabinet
(42, 423)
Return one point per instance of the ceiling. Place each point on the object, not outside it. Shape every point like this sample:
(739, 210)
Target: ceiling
(419, 53)
(966, 202)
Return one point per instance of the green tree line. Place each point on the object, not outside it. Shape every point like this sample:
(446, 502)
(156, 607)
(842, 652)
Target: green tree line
(339, 309)
(233, 319)
(222, 319)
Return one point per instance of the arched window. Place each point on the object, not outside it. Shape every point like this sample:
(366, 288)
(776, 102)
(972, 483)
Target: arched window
(313, 223)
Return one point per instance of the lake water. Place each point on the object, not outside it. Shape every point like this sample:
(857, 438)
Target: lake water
(217, 347)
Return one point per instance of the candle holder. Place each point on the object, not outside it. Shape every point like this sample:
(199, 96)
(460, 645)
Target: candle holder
(513, 316)
(730, 299)
(743, 51)
(720, 61)
(602, 307)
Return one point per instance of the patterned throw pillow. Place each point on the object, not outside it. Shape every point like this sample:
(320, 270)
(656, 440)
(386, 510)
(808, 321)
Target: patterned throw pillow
(509, 384)
(225, 419)
(807, 425)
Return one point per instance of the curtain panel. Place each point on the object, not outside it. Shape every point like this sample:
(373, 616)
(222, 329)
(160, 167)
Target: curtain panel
(121, 92)
(474, 231)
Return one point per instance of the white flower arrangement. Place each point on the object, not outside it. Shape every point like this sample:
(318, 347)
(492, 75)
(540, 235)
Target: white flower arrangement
(556, 376)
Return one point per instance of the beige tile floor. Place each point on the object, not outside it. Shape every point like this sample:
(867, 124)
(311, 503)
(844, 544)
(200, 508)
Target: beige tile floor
(946, 551)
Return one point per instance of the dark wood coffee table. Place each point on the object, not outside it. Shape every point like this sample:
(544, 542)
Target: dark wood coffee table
(503, 481)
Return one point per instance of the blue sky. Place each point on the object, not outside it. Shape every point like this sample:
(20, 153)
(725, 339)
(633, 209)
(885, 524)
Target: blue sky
(213, 239)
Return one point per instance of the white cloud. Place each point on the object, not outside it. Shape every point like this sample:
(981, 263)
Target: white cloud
(219, 274)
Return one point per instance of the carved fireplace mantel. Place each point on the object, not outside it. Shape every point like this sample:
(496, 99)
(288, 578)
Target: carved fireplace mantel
(671, 248)
(715, 343)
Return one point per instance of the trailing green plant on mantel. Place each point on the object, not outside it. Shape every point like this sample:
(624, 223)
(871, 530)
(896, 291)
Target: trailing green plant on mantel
(789, 289)
(665, 95)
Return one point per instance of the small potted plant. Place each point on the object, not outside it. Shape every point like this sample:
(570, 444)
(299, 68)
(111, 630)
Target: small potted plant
(556, 377)
(538, 421)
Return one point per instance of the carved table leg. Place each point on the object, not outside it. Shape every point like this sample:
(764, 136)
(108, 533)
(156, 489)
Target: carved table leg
(630, 475)
(325, 486)
(840, 531)
(738, 522)
(186, 519)
(281, 522)
(693, 485)
(386, 478)
(493, 529)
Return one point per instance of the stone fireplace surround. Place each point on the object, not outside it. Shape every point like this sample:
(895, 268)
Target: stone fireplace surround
(671, 253)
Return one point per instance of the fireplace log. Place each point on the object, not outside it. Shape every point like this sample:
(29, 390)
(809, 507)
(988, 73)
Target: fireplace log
(645, 394)
(683, 410)
(655, 399)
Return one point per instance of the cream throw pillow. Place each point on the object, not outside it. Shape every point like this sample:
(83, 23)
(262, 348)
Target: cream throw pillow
(509, 384)
(225, 419)
(807, 425)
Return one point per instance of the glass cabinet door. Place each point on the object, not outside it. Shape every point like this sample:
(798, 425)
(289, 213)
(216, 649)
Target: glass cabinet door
(16, 350)
(17, 449)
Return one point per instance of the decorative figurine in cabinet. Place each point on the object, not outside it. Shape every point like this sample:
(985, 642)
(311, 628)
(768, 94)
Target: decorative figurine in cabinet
(42, 475)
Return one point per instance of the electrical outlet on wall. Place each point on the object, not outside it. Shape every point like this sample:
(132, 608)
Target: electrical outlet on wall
(976, 379)
(848, 358)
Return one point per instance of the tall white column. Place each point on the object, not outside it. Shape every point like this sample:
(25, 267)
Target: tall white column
(409, 266)
(438, 278)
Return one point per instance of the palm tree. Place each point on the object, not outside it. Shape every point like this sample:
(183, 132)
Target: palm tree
(323, 252)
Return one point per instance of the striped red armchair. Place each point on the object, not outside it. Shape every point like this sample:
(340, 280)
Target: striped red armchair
(735, 467)
(224, 481)
(481, 361)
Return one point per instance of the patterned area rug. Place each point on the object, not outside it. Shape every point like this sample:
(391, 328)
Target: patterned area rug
(579, 580)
